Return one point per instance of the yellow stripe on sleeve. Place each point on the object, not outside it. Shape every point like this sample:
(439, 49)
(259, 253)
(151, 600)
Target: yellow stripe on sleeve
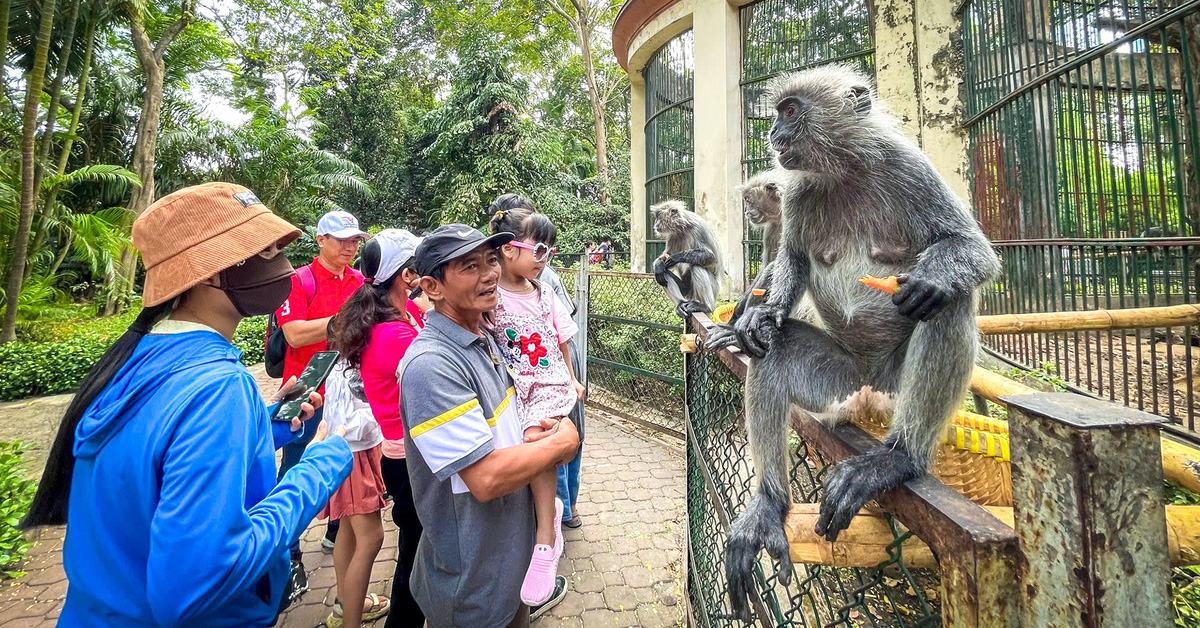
(444, 418)
(508, 395)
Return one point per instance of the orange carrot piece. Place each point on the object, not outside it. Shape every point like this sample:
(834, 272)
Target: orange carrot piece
(887, 284)
(758, 292)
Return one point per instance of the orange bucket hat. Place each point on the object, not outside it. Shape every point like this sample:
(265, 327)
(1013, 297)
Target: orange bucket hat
(192, 234)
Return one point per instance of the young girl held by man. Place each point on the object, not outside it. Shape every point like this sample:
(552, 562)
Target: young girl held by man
(532, 327)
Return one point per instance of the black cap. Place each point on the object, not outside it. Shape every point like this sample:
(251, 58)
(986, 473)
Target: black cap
(453, 241)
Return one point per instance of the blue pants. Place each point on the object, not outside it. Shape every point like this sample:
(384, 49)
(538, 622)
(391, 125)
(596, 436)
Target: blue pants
(295, 449)
(568, 483)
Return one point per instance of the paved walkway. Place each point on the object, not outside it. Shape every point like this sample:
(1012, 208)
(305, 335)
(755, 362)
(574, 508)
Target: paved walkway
(625, 565)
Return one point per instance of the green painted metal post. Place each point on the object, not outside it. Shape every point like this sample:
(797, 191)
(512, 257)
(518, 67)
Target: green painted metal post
(1090, 520)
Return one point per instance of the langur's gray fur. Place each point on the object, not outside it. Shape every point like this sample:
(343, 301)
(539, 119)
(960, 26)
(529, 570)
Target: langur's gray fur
(761, 201)
(862, 200)
(691, 270)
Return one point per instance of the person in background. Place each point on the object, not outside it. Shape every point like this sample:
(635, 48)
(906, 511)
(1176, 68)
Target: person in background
(605, 249)
(373, 331)
(469, 464)
(166, 455)
(568, 474)
(318, 291)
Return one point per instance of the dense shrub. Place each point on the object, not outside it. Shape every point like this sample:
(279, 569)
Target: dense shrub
(65, 353)
(15, 495)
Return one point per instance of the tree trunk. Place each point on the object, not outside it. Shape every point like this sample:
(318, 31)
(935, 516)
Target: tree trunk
(584, 31)
(20, 252)
(143, 166)
(62, 255)
(5, 9)
(144, 147)
(56, 87)
(84, 76)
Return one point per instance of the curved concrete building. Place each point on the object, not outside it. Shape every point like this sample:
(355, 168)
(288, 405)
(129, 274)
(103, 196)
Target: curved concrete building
(698, 69)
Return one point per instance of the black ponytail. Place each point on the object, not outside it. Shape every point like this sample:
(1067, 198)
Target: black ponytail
(49, 506)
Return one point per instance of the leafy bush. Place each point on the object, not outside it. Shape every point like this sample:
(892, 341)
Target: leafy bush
(15, 495)
(66, 351)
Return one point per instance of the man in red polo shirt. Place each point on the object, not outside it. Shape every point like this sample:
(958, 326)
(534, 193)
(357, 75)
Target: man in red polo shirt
(304, 319)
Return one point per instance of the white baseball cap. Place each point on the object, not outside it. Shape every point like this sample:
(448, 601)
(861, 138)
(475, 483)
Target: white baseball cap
(396, 247)
(340, 225)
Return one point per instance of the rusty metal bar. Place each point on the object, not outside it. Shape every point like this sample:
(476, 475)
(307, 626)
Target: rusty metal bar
(1089, 513)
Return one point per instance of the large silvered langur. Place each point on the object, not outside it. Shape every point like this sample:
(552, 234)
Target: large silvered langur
(690, 269)
(761, 200)
(862, 200)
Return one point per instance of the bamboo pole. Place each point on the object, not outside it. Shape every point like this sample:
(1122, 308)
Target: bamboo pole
(865, 542)
(1133, 318)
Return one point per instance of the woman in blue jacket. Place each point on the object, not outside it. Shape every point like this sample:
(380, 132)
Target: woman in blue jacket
(167, 453)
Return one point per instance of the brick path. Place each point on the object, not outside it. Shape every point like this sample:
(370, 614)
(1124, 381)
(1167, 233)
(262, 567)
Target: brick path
(624, 565)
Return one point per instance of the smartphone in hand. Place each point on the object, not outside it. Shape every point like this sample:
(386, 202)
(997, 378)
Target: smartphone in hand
(310, 380)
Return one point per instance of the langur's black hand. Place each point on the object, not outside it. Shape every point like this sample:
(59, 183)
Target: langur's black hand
(920, 299)
(756, 330)
(720, 337)
(660, 271)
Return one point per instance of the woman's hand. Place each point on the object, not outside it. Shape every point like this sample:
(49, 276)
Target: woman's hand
(580, 389)
(307, 410)
(323, 431)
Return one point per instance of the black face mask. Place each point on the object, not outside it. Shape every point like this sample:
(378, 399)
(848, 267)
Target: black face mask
(258, 286)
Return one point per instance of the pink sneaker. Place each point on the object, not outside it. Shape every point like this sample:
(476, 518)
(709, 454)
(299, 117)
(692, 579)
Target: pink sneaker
(539, 579)
(558, 540)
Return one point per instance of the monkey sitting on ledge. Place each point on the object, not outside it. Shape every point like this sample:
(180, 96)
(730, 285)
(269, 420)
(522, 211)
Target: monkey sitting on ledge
(690, 270)
(862, 199)
(761, 202)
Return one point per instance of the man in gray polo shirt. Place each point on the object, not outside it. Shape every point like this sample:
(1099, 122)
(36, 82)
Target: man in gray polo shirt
(469, 468)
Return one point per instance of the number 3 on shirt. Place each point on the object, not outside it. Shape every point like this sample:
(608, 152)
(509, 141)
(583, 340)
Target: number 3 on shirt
(286, 309)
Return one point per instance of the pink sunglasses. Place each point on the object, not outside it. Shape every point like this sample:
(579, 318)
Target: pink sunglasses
(541, 252)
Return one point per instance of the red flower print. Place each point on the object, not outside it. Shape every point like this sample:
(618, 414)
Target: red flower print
(531, 346)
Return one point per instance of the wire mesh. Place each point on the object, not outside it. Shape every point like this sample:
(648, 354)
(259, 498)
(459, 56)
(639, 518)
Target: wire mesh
(669, 140)
(1083, 149)
(635, 368)
(781, 36)
(720, 487)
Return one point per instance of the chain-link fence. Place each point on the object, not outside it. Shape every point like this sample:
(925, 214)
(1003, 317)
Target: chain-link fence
(719, 488)
(634, 366)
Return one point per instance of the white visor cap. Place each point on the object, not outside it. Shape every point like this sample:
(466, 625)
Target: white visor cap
(396, 248)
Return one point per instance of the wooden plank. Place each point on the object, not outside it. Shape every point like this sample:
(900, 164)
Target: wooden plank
(1133, 318)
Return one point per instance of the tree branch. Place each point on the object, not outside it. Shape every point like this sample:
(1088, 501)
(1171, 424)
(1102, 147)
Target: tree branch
(185, 18)
(559, 10)
(141, 42)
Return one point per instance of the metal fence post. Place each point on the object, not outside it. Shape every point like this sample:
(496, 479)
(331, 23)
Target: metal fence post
(1090, 520)
(581, 314)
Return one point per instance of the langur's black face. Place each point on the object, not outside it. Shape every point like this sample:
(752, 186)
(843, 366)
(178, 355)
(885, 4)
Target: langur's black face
(666, 221)
(813, 120)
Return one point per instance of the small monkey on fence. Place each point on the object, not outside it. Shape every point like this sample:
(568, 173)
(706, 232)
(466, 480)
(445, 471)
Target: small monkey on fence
(861, 199)
(690, 269)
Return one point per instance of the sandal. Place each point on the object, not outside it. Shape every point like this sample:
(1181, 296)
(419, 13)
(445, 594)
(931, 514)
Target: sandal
(573, 522)
(370, 613)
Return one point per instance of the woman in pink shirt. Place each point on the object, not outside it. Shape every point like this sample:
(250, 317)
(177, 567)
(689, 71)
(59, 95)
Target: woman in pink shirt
(374, 341)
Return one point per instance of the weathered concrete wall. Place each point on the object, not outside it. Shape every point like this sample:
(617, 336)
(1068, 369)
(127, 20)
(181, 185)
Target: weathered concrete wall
(718, 136)
(919, 64)
(716, 113)
(637, 171)
(918, 57)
